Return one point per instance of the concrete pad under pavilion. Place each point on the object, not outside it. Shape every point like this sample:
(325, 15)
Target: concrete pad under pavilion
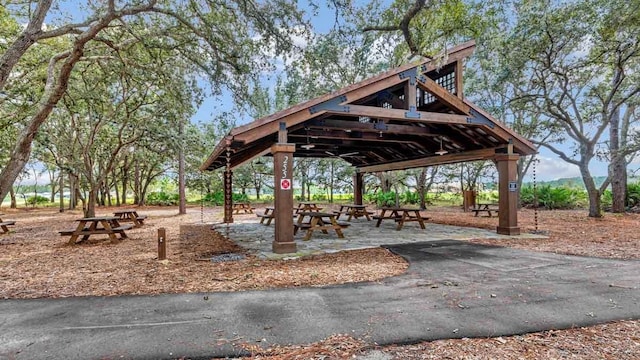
(361, 234)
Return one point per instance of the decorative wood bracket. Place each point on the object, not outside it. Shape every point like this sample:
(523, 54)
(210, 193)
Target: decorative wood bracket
(479, 119)
(332, 104)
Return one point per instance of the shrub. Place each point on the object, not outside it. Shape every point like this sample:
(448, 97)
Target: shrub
(214, 198)
(239, 198)
(37, 200)
(385, 199)
(553, 197)
(409, 198)
(633, 194)
(161, 198)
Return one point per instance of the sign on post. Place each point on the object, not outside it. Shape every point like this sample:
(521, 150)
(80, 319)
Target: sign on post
(513, 186)
(285, 184)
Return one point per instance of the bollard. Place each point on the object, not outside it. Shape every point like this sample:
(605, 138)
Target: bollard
(162, 244)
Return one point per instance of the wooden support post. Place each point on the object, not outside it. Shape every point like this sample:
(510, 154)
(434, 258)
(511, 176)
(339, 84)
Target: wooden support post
(411, 95)
(228, 198)
(357, 188)
(283, 242)
(162, 244)
(459, 79)
(508, 192)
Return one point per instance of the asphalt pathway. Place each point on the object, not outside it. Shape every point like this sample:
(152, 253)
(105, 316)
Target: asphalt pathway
(452, 289)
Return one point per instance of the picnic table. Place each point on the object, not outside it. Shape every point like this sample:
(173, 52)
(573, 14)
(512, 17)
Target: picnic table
(268, 215)
(130, 215)
(245, 207)
(97, 225)
(485, 207)
(307, 206)
(318, 221)
(401, 216)
(353, 211)
(4, 223)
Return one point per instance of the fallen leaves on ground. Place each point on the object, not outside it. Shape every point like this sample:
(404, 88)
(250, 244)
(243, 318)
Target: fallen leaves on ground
(36, 262)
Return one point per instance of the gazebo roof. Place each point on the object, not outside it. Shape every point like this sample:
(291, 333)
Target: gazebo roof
(411, 116)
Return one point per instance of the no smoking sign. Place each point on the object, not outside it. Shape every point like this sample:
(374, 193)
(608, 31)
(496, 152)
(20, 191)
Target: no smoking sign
(285, 184)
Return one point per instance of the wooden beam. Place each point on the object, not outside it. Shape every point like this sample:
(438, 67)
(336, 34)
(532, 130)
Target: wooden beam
(428, 84)
(400, 115)
(459, 79)
(341, 135)
(481, 154)
(259, 149)
(352, 125)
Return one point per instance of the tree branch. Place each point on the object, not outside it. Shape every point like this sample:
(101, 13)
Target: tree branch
(403, 26)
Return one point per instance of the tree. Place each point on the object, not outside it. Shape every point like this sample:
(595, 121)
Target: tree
(582, 82)
(222, 41)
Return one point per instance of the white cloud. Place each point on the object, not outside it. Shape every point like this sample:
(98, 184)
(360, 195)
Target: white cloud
(552, 169)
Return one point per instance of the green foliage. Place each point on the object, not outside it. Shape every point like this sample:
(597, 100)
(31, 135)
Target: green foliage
(214, 198)
(37, 200)
(553, 197)
(606, 199)
(382, 198)
(410, 197)
(162, 198)
(240, 198)
(319, 197)
(488, 196)
(633, 194)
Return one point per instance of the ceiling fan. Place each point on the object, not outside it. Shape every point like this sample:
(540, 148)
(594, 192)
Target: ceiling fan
(308, 145)
(442, 151)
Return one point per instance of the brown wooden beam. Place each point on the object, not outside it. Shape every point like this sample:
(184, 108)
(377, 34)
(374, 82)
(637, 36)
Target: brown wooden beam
(345, 125)
(250, 153)
(459, 80)
(341, 135)
(400, 115)
(454, 102)
(481, 154)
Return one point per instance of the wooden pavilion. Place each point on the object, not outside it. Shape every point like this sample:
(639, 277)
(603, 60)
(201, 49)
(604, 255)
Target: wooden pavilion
(412, 116)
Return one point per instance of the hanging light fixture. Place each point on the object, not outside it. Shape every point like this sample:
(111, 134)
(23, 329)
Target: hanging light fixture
(442, 151)
(308, 145)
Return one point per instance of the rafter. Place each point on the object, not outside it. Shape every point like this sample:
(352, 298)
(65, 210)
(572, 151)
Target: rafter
(454, 102)
(482, 154)
(351, 125)
(399, 114)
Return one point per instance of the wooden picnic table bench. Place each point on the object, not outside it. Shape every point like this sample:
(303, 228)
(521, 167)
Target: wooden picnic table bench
(269, 215)
(401, 216)
(4, 224)
(319, 221)
(307, 206)
(353, 211)
(245, 207)
(485, 207)
(130, 215)
(107, 225)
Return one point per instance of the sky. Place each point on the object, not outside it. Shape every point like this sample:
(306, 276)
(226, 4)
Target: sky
(550, 166)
